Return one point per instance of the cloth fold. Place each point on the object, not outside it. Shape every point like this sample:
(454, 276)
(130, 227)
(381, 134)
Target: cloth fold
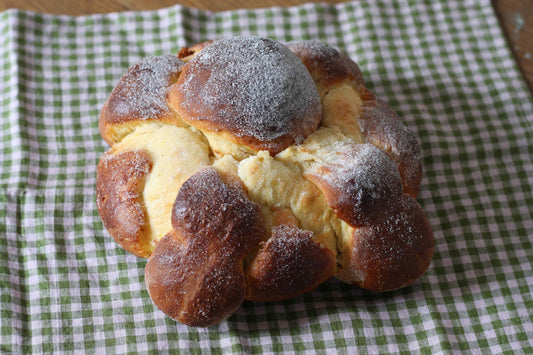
(65, 286)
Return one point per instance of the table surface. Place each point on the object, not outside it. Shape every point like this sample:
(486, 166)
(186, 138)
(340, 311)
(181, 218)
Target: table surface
(516, 16)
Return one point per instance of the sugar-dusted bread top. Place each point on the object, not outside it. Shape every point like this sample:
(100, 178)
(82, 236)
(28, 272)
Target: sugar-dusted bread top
(253, 90)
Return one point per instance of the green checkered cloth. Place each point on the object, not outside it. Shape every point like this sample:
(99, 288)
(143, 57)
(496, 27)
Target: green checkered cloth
(65, 286)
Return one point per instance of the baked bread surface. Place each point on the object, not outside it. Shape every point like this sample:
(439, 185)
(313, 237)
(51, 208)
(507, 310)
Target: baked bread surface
(246, 169)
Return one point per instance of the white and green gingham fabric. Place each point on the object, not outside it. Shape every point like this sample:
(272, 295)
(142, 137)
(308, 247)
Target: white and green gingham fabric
(65, 286)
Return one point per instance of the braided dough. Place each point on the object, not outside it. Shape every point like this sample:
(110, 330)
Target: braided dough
(244, 168)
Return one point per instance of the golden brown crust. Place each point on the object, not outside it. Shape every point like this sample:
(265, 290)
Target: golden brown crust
(195, 274)
(327, 65)
(140, 95)
(119, 185)
(392, 252)
(359, 183)
(289, 264)
(252, 89)
(382, 127)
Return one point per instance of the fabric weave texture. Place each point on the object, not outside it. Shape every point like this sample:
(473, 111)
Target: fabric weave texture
(444, 66)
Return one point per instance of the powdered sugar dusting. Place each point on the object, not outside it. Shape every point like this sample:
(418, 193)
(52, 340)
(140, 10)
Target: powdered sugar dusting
(136, 167)
(286, 248)
(288, 264)
(364, 179)
(142, 91)
(326, 64)
(317, 52)
(395, 250)
(314, 46)
(251, 87)
(216, 225)
(381, 126)
(205, 202)
(367, 166)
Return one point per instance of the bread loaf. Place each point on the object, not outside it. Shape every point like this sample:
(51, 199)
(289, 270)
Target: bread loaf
(248, 169)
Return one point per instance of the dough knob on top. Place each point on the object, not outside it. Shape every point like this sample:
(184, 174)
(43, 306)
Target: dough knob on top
(251, 91)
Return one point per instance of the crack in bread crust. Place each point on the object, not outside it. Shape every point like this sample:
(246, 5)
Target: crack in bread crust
(333, 198)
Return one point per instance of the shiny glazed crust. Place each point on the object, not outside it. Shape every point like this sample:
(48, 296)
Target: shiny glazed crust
(265, 206)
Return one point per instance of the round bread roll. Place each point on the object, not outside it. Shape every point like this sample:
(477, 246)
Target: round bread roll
(248, 169)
